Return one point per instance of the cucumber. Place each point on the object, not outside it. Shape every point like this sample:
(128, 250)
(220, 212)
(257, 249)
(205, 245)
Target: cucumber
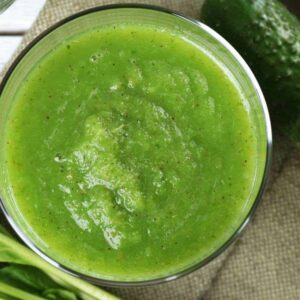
(267, 36)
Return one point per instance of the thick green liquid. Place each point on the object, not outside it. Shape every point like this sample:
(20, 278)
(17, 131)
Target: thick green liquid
(130, 153)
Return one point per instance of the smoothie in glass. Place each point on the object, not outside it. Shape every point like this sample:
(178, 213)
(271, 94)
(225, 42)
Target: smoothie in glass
(130, 153)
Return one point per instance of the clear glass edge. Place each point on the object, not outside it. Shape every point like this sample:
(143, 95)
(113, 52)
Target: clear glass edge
(262, 188)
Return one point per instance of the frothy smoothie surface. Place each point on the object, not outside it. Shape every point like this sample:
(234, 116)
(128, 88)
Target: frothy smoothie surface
(130, 153)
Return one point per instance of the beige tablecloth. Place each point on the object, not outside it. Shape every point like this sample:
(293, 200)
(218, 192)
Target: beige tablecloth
(265, 262)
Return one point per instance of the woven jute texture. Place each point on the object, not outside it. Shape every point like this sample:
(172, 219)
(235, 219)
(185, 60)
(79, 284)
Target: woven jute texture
(265, 262)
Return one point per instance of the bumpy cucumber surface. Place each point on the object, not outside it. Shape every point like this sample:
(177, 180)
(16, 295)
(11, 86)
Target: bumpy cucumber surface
(267, 35)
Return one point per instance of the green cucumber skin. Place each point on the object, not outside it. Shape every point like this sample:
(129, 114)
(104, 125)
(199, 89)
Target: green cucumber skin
(267, 36)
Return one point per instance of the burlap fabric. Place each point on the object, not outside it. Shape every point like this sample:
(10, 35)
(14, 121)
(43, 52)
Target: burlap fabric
(265, 262)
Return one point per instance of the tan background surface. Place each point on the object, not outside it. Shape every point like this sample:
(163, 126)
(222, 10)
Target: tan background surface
(265, 262)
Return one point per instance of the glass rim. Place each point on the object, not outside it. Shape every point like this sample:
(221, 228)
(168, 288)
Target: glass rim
(267, 166)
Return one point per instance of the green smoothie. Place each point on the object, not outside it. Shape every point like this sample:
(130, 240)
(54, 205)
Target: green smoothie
(130, 153)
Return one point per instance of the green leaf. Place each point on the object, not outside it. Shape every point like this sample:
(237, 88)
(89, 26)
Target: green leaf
(14, 282)
(59, 294)
(29, 278)
(13, 252)
(32, 280)
(17, 293)
(6, 297)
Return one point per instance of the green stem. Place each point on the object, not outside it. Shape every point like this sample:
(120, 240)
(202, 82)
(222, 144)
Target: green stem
(14, 292)
(77, 285)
